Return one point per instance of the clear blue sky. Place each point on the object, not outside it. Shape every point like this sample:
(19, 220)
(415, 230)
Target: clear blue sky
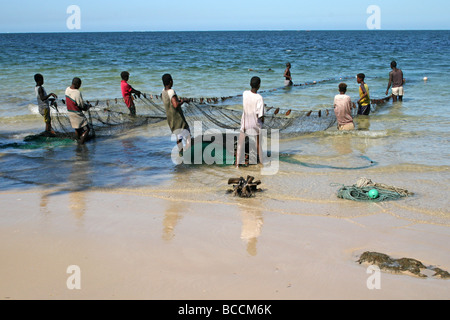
(189, 15)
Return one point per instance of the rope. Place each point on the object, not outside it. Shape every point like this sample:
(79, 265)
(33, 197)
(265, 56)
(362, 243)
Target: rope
(360, 192)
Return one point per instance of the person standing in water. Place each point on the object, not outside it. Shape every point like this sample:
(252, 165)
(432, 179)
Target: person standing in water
(175, 117)
(287, 76)
(75, 107)
(252, 121)
(343, 109)
(397, 81)
(44, 100)
(364, 95)
(127, 91)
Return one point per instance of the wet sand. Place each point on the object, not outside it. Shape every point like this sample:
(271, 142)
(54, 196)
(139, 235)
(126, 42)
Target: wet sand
(294, 240)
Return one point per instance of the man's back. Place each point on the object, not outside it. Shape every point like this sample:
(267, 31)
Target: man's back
(396, 76)
(343, 109)
(253, 105)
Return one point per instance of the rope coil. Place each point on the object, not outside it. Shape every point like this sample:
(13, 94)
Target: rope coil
(360, 192)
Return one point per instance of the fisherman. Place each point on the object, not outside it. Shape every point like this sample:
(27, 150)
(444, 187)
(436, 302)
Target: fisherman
(252, 120)
(343, 109)
(127, 91)
(364, 95)
(397, 81)
(175, 117)
(287, 75)
(75, 107)
(44, 101)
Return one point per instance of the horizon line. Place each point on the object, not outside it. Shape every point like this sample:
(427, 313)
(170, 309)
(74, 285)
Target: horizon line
(249, 30)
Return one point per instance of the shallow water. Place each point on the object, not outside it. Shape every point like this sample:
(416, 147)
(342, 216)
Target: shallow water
(414, 132)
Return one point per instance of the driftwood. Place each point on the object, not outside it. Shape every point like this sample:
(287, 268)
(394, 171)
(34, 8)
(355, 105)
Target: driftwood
(244, 188)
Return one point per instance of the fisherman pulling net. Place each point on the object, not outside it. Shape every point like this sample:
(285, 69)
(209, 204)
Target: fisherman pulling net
(104, 118)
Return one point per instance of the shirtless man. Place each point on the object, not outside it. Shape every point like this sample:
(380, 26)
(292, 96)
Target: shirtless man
(397, 81)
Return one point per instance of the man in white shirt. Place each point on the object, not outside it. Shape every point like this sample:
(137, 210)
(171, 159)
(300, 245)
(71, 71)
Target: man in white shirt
(252, 120)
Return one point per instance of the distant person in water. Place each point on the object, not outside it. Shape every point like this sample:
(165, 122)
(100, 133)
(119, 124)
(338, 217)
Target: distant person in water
(343, 109)
(44, 101)
(175, 117)
(364, 95)
(397, 81)
(287, 75)
(127, 92)
(252, 120)
(75, 107)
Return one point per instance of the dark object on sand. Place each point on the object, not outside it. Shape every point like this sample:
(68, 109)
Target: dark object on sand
(244, 188)
(403, 265)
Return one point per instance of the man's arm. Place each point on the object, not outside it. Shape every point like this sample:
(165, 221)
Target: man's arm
(134, 91)
(43, 97)
(390, 83)
(176, 102)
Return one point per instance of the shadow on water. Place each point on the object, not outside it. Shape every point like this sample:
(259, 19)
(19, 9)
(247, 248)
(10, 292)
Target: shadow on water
(64, 166)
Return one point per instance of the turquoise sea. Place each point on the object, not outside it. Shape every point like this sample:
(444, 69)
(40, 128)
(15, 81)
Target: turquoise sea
(415, 132)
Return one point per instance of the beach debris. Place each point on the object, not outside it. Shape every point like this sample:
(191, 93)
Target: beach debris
(244, 188)
(364, 188)
(401, 266)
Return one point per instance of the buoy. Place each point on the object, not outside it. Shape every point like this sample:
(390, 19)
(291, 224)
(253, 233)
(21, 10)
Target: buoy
(373, 193)
(425, 79)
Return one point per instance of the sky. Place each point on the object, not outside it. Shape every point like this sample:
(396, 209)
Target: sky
(201, 15)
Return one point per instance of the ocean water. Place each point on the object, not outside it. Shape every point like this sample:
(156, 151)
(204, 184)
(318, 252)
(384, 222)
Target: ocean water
(414, 133)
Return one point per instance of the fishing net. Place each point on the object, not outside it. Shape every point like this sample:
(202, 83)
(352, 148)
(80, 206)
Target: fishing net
(289, 123)
(361, 192)
(105, 118)
(108, 117)
(112, 116)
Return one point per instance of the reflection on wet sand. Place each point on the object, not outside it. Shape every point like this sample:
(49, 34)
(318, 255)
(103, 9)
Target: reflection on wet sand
(79, 181)
(44, 202)
(252, 223)
(171, 217)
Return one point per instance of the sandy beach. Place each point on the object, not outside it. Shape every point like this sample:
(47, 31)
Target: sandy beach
(295, 240)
